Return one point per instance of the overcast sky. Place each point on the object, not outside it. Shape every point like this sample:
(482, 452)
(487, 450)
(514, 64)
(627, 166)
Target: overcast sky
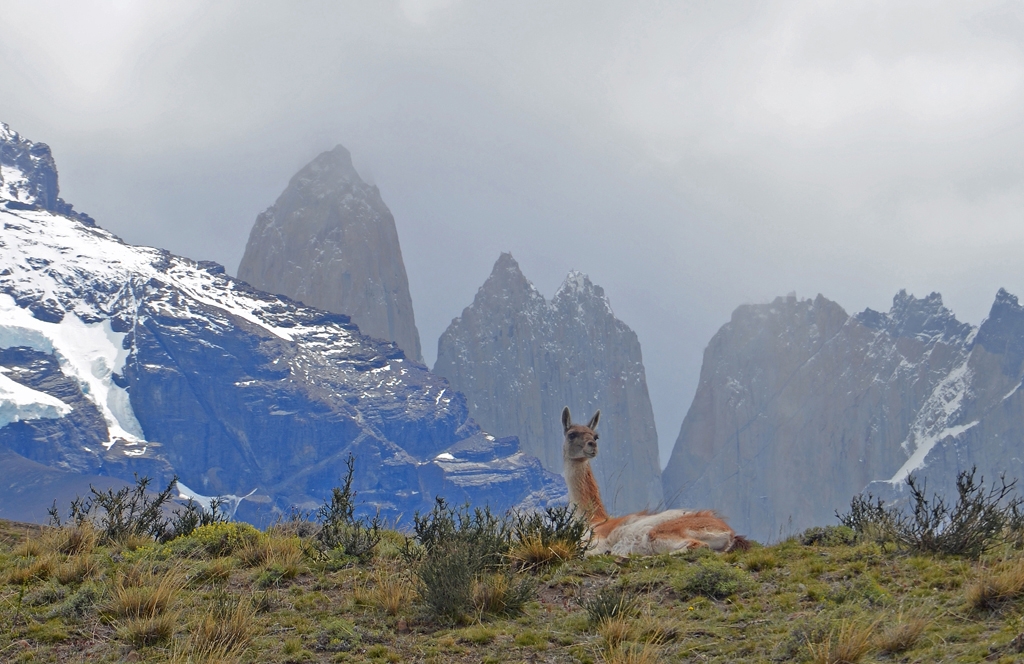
(689, 157)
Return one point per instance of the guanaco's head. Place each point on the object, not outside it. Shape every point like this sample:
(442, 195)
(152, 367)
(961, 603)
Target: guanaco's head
(580, 441)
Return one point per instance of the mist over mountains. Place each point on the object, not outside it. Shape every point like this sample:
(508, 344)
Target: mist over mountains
(120, 359)
(117, 359)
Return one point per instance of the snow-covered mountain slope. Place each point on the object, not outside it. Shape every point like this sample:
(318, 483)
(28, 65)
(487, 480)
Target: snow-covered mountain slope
(164, 365)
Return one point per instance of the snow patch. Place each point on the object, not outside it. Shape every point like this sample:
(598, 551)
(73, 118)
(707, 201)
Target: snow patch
(916, 460)
(88, 353)
(18, 403)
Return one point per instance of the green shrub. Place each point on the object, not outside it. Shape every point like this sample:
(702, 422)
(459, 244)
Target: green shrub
(611, 601)
(829, 536)
(978, 520)
(712, 578)
(973, 525)
(460, 552)
(339, 527)
(216, 539)
(134, 512)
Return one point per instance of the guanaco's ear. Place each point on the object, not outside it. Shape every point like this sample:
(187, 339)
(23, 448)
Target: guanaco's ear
(566, 419)
(592, 424)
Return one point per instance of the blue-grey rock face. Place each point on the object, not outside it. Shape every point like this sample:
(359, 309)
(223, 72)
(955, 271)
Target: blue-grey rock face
(800, 405)
(117, 358)
(330, 241)
(975, 416)
(520, 359)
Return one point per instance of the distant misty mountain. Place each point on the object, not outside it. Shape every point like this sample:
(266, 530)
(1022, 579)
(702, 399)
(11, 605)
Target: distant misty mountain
(520, 359)
(117, 359)
(800, 406)
(330, 242)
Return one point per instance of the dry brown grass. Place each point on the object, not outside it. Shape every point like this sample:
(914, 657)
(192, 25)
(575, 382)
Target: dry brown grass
(71, 539)
(532, 552)
(76, 568)
(902, 635)
(995, 587)
(392, 591)
(137, 593)
(845, 644)
(267, 550)
(40, 567)
(646, 653)
(614, 631)
(226, 628)
(30, 548)
(141, 631)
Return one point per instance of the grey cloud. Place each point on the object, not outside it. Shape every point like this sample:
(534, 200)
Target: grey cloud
(689, 156)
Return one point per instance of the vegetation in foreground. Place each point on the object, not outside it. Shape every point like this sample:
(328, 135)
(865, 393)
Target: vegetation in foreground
(469, 586)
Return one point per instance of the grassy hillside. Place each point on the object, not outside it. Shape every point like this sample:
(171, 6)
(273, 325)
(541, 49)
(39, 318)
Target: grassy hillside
(229, 593)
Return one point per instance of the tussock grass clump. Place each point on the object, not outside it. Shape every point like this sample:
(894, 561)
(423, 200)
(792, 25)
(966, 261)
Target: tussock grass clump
(138, 593)
(845, 643)
(553, 536)
(226, 628)
(710, 577)
(760, 560)
(611, 601)
(72, 539)
(35, 569)
(646, 653)
(266, 550)
(902, 635)
(392, 590)
(141, 631)
(502, 593)
(996, 587)
(76, 569)
(217, 570)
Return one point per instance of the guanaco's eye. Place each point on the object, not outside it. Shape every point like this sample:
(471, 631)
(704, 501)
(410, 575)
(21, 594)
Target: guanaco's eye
(572, 434)
(596, 436)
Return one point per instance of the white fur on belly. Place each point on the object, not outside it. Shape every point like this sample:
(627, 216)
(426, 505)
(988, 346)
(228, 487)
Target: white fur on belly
(633, 537)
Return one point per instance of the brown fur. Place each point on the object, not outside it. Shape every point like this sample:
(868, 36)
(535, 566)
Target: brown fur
(687, 531)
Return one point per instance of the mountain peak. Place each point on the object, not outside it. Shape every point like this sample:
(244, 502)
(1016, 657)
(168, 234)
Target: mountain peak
(923, 318)
(330, 241)
(28, 176)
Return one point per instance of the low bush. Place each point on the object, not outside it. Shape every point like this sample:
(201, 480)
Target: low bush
(460, 552)
(340, 529)
(216, 539)
(970, 527)
(131, 514)
(712, 578)
(611, 601)
(829, 536)
(555, 535)
(979, 520)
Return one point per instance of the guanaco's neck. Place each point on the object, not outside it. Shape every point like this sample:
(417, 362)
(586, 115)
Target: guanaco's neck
(583, 491)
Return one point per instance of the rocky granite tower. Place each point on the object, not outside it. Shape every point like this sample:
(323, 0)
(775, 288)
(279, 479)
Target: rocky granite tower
(519, 359)
(800, 406)
(330, 242)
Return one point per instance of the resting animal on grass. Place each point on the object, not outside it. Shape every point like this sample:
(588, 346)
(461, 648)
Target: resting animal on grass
(641, 533)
